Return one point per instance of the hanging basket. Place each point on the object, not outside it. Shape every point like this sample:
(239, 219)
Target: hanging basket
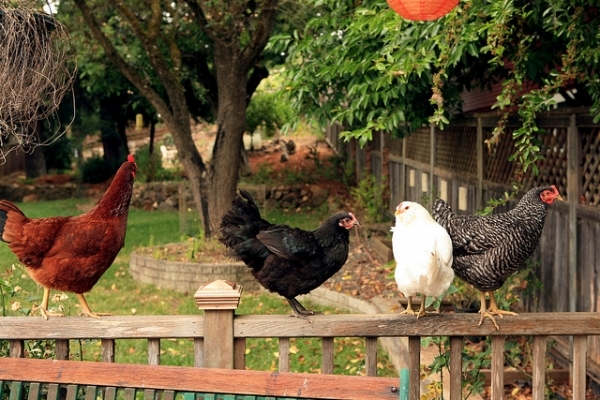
(422, 10)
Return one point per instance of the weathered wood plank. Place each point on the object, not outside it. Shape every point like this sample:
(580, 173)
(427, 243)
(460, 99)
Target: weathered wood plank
(414, 367)
(108, 350)
(371, 356)
(239, 353)
(214, 380)
(327, 355)
(284, 354)
(456, 367)
(497, 364)
(218, 339)
(34, 391)
(153, 351)
(539, 367)
(17, 348)
(62, 349)
(390, 325)
(333, 325)
(115, 327)
(579, 363)
(198, 352)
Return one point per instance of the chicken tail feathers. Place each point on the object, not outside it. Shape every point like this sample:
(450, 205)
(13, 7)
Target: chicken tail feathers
(8, 210)
(442, 212)
(239, 227)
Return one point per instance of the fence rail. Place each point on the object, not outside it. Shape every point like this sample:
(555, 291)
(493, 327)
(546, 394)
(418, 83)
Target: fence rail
(537, 325)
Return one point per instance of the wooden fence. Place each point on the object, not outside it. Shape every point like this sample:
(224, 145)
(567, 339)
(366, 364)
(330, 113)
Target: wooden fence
(219, 338)
(456, 165)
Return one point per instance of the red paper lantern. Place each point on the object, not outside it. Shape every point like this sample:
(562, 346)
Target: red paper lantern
(422, 10)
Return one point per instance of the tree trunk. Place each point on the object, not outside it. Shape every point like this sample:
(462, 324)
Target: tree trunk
(231, 121)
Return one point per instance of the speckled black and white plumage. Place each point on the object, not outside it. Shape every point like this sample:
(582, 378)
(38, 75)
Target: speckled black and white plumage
(288, 261)
(488, 249)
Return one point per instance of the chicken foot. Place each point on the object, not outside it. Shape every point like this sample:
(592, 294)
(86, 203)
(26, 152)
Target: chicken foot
(85, 308)
(299, 310)
(43, 308)
(492, 309)
(410, 311)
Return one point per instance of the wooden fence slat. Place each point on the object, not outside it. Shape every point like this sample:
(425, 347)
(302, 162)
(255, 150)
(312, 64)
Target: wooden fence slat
(371, 356)
(497, 364)
(149, 394)
(62, 349)
(539, 367)
(53, 391)
(284, 354)
(168, 395)
(129, 393)
(239, 353)
(414, 367)
(108, 350)
(198, 352)
(91, 392)
(34, 391)
(206, 380)
(110, 393)
(15, 390)
(327, 349)
(153, 351)
(456, 368)
(72, 392)
(17, 348)
(579, 363)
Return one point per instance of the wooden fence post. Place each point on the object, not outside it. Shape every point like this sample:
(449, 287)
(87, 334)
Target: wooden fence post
(219, 300)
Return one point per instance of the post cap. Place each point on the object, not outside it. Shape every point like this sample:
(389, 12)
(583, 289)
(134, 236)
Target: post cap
(218, 295)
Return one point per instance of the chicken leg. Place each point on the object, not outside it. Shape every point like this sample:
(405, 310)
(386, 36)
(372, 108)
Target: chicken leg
(43, 308)
(492, 309)
(410, 311)
(85, 308)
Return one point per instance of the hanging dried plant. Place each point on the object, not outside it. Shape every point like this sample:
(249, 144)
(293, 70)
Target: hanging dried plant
(37, 68)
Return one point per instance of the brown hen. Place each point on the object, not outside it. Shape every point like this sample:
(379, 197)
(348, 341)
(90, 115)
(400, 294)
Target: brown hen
(71, 253)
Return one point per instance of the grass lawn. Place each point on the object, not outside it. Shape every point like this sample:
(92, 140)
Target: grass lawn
(119, 294)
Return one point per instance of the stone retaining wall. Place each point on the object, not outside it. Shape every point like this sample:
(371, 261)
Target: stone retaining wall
(188, 276)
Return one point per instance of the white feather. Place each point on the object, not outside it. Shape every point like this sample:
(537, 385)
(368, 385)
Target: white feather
(423, 252)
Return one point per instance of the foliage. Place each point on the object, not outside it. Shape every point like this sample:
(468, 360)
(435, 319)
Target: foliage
(362, 65)
(150, 168)
(268, 110)
(368, 195)
(59, 154)
(95, 170)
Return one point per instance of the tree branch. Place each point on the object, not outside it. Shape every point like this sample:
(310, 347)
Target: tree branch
(127, 70)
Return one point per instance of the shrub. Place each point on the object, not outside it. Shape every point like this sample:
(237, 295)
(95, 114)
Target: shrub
(95, 170)
(268, 110)
(150, 168)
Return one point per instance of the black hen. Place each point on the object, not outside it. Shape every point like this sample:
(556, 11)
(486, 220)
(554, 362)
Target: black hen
(284, 260)
(488, 249)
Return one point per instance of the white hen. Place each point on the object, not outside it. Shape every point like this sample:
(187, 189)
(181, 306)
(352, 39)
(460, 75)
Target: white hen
(423, 253)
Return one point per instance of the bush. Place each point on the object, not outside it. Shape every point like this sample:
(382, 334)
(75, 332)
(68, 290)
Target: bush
(268, 110)
(95, 170)
(150, 167)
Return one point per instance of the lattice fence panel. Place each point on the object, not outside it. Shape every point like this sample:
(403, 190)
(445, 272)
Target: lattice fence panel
(456, 148)
(497, 168)
(590, 190)
(417, 146)
(553, 168)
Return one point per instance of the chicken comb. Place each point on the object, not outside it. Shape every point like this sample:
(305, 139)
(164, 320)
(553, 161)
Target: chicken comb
(130, 158)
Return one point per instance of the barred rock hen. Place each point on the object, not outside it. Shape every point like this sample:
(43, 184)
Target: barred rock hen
(488, 249)
(71, 253)
(284, 260)
(423, 253)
